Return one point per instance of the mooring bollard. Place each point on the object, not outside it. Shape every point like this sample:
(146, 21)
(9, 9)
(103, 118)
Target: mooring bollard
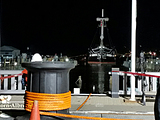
(50, 78)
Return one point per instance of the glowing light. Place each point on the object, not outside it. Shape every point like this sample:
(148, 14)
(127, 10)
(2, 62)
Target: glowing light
(15, 63)
(66, 59)
(154, 53)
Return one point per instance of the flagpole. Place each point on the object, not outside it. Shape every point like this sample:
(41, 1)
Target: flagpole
(133, 47)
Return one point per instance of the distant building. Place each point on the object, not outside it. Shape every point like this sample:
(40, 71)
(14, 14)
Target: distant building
(9, 52)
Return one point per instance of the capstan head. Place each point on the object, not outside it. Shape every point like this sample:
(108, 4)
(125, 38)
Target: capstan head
(36, 58)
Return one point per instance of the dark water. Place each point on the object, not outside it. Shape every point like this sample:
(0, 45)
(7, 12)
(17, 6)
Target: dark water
(95, 78)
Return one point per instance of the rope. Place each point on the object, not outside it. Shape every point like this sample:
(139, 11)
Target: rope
(52, 102)
(139, 74)
(76, 116)
(84, 102)
(48, 102)
(16, 75)
(80, 117)
(1, 78)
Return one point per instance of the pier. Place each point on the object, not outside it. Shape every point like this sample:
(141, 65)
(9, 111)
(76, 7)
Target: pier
(98, 104)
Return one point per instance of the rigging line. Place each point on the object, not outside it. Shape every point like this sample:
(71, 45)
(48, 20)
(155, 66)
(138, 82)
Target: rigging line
(111, 43)
(93, 38)
(109, 37)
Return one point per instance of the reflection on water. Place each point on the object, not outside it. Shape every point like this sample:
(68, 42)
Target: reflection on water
(95, 78)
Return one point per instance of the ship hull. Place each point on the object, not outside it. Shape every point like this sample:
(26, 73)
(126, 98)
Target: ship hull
(108, 60)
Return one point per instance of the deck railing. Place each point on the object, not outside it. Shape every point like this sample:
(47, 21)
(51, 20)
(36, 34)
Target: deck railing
(123, 83)
(11, 85)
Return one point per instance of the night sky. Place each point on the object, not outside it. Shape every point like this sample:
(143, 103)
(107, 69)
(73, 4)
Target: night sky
(68, 27)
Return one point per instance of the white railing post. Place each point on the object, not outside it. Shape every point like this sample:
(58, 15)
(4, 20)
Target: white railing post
(15, 84)
(12, 83)
(19, 82)
(5, 81)
(147, 83)
(154, 84)
(139, 84)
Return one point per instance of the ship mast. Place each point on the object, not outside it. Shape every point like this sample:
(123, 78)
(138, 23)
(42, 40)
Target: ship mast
(102, 20)
(101, 51)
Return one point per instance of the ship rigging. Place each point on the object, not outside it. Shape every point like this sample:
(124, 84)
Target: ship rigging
(102, 54)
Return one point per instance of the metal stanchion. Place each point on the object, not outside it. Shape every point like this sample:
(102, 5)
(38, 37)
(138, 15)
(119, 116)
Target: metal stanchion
(143, 78)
